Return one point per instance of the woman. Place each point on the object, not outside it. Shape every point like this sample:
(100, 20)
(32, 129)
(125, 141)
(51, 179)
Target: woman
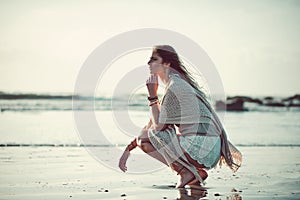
(199, 142)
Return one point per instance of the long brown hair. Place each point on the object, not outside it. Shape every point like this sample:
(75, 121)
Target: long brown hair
(169, 55)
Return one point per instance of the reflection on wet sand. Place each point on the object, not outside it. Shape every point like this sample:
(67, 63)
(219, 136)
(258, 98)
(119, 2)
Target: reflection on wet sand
(200, 192)
(191, 194)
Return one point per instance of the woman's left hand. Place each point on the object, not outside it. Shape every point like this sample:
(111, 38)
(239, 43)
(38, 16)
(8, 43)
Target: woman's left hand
(123, 160)
(152, 85)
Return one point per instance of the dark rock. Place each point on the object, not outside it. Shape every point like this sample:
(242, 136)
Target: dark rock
(236, 104)
(272, 102)
(295, 97)
(293, 101)
(269, 98)
(220, 105)
(258, 101)
(246, 99)
(275, 104)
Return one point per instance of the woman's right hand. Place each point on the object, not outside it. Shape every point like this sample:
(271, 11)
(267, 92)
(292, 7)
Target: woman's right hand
(123, 160)
(152, 85)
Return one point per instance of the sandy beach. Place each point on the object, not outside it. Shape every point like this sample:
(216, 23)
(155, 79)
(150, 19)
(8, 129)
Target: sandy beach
(75, 82)
(72, 173)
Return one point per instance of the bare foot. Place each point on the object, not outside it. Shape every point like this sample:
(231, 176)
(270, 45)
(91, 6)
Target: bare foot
(185, 177)
(203, 174)
(123, 160)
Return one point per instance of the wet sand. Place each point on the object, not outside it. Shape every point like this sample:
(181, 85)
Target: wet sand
(72, 173)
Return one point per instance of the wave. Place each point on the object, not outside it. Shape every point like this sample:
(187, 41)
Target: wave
(68, 105)
(123, 145)
(55, 145)
(33, 96)
(47, 102)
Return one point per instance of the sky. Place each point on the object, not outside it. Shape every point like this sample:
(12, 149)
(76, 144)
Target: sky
(253, 44)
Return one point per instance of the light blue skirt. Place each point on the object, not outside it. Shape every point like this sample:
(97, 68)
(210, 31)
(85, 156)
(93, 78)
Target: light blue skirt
(204, 148)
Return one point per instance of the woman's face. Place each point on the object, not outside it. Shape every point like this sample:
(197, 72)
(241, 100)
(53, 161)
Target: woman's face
(155, 64)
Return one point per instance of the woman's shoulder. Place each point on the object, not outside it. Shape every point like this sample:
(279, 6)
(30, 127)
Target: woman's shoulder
(176, 83)
(175, 77)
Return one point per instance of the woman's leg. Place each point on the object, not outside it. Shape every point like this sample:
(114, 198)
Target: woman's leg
(199, 167)
(185, 175)
(193, 162)
(144, 143)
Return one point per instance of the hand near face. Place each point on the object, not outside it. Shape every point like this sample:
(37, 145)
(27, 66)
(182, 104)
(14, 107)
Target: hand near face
(152, 85)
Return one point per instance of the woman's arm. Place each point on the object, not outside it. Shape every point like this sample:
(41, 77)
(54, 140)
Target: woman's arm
(152, 86)
(130, 147)
(155, 110)
(125, 155)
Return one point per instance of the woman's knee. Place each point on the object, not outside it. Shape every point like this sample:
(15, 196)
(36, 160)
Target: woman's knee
(143, 137)
(146, 147)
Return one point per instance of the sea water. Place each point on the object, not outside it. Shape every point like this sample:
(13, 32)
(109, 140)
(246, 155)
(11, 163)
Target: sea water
(39, 122)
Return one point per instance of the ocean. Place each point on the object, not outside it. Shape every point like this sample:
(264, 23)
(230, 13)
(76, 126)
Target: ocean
(49, 121)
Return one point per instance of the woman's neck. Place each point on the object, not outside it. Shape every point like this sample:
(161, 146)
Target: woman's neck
(164, 76)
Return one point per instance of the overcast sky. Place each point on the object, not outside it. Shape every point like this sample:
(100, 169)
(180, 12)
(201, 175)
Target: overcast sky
(253, 44)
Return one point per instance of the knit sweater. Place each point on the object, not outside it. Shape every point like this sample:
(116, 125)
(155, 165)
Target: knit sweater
(182, 104)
